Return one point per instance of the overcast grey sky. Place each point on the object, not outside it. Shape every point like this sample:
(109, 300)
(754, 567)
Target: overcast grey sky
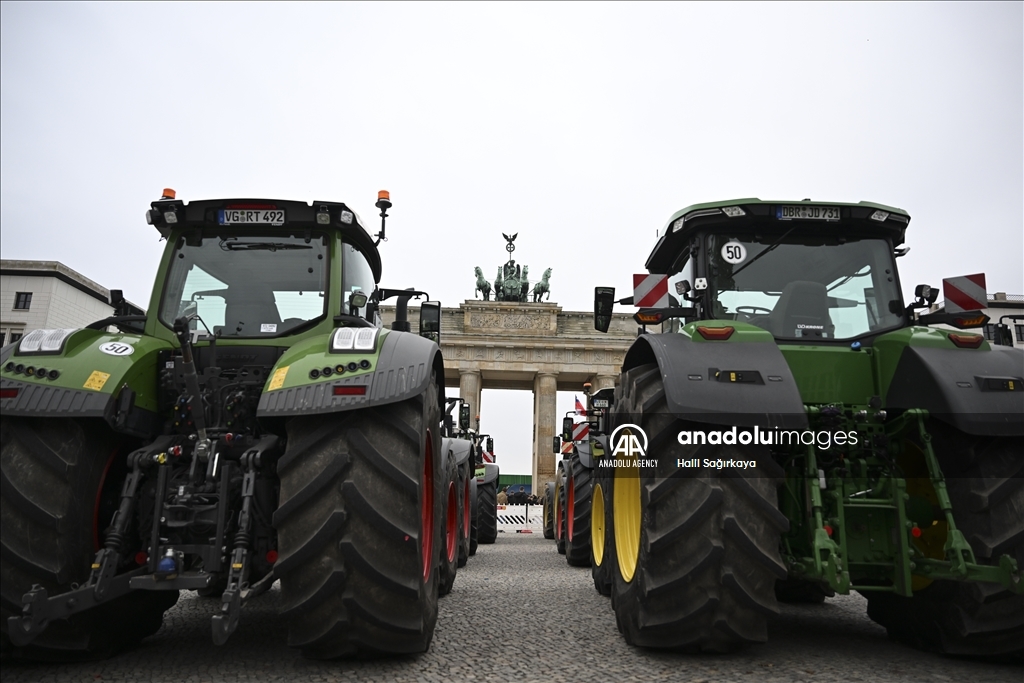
(580, 126)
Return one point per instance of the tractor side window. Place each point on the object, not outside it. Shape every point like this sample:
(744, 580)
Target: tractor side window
(356, 276)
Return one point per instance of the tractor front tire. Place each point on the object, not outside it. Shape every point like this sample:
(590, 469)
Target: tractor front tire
(602, 538)
(474, 516)
(360, 529)
(985, 481)
(487, 520)
(54, 481)
(450, 528)
(579, 486)
(697, 551)
(549, 510)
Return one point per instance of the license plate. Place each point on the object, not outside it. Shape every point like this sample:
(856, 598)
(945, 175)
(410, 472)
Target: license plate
(600, 403)
(810, 213)
(250, 216)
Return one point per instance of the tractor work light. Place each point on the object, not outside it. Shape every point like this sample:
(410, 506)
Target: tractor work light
(733, 211)
(715, 333)
(45, 341)
(357, 339)
(966, 341)
(880, 216)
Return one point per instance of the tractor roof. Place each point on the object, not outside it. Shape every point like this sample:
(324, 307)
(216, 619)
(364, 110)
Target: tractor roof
(264, 215)
(863, 219)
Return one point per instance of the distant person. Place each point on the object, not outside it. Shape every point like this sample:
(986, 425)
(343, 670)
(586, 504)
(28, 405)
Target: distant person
(521, 496)
(502, 496)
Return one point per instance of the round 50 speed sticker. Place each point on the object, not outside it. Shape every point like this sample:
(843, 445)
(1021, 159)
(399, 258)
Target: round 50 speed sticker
(117, 349)
(734, 253)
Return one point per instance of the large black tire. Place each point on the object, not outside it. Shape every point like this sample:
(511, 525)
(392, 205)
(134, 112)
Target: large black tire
(698, 554)
(474, 516)
(579, 485)
(549, 510)
(985, 481)
(487, 511)
(449, 559)
(465, 513)
(359, 529)
(602, 538)
(559, 496)
(54, 472)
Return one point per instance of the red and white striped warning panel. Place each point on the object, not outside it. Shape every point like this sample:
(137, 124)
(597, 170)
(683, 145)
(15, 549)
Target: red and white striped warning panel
(566, 447)
(581, 431)
(488, 457)
(964, 293)
(650, 291)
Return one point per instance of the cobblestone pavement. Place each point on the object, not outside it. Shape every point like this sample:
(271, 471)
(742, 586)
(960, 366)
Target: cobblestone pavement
(519, 613)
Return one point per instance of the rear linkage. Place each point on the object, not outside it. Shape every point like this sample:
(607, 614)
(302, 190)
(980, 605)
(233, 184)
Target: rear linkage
(162, 568)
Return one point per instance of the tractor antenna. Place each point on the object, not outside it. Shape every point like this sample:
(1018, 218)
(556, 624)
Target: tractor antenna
(383, 203)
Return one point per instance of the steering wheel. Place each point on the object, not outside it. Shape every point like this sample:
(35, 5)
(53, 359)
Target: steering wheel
(752, 311)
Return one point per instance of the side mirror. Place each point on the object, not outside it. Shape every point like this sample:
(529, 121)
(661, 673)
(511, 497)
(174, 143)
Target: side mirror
(490, 445)
(117, 301)
(604, 301)
(449, 425)
(464, 417)
(567, 425)
(556, 445)
(430, 321)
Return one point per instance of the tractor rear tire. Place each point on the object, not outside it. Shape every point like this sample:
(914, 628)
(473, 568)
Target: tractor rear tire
(360, 530)
(602, 539)
(465, 515)
(559, 497)
(549, 510)
(54, 481)
(985, 481)
(474, 516)
(579, 486)
(449, 529)
(487, 521)
(697, 550)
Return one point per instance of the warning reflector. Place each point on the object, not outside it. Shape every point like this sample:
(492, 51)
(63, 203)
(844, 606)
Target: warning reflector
(964, 293)
(650, 291)
(581, 431)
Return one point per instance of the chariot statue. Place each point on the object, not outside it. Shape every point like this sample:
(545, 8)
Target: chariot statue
(512, 282)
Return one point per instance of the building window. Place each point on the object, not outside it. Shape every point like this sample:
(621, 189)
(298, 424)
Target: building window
(3, 336)
(1020, 332)
(22, 301)
(990, 332)
(15, 336)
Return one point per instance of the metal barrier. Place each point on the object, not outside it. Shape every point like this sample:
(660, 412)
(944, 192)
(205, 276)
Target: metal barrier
(521, 519)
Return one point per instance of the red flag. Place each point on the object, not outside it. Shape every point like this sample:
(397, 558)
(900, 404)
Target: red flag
(580, 409)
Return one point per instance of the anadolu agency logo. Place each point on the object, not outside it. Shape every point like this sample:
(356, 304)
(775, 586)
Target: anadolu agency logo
(628, 448)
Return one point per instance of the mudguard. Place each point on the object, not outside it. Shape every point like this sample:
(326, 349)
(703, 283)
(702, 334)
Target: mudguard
(120, 388)
(592, 449)
(697, 387)
(402, 370)
(977, 391)
(490, 473)
(460, 448)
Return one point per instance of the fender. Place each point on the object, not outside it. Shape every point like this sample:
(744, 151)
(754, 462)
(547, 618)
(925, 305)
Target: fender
(120, 389)
(402, 370)
(460, 448)
(490, 474)
(977, 391)
(767, 395)
(592, 449)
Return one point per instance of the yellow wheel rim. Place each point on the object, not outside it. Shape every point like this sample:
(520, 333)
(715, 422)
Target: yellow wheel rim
(597, 524)
(626, 517)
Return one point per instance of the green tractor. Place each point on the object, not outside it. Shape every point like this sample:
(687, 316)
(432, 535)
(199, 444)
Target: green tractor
(797, 430)
(257, 425)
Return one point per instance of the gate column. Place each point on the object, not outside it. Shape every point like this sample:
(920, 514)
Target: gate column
(469, 391)
(545, 426)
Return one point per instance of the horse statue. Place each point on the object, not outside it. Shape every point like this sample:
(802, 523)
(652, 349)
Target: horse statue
(524, 284)
(542, 287)
(482, 285)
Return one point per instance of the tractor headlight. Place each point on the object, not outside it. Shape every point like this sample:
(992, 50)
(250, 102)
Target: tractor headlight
(45, 341)
(354, 339)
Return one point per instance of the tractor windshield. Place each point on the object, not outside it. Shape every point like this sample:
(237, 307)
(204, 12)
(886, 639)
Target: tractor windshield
(802, 286)
(245, 286)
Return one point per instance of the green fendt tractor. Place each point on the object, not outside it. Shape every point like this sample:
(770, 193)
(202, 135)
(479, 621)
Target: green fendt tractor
(797, 430)
(257, 425)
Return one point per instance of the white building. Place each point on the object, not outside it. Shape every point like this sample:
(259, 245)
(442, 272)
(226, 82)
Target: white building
(48, 295)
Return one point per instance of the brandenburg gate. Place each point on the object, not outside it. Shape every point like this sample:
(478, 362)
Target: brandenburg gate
(534, 346)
